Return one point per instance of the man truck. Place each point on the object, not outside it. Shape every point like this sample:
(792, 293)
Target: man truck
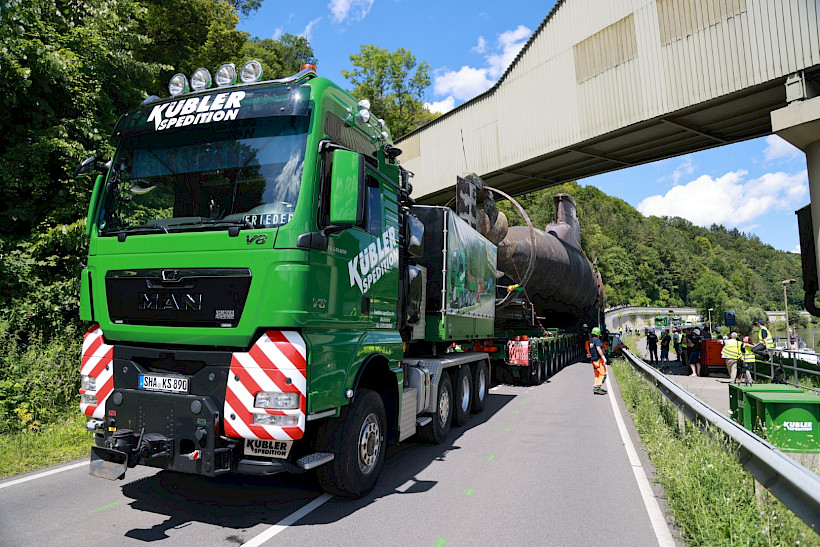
(265, 296)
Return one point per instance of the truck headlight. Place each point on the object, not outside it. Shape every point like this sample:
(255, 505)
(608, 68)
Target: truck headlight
(275, 419)
(201, 79)
(251, 72)
(276, 399)
(88, 399)
(89, 383)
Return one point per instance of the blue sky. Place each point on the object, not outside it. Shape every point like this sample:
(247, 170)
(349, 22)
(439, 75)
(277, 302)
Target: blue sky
(754, 186)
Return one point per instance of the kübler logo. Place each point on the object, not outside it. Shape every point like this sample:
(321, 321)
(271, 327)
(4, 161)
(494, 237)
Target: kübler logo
(197, 110)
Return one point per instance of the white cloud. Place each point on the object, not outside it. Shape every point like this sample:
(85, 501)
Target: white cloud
(729, 199)
(796, 249)
(307, 33)
(441, 107)
(687, 167)
(481, 46)
(777, 148)
(277, 33)
(354, 9)
(463, 84)
(467, 82)
(509, 44)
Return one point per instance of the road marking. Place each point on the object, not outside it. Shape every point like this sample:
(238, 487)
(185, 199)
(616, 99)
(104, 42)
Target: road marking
(110, 505)
(406, 486)
(659, 526)
(43, 474)
(470, 492)
(496, 388)
(287, 521)
(490, 458)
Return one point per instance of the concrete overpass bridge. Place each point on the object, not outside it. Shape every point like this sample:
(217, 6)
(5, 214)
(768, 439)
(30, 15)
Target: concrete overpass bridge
(639, 317)
(607, 84)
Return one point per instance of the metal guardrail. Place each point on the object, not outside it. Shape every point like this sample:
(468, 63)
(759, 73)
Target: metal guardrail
(794, 485)
(776, 357)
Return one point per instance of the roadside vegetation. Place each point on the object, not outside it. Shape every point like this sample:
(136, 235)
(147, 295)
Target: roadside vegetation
(709, 494)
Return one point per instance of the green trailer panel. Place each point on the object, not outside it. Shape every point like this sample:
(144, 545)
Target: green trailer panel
(790, 420)
(745, 413)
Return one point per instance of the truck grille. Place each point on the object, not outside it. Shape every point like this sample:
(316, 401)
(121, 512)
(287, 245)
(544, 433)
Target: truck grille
(185, 298)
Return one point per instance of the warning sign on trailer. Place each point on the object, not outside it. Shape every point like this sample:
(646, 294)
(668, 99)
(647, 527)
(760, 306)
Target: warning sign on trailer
(267, 449)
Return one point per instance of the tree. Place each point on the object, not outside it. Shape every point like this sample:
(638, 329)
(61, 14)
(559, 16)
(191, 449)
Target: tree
(244, 7)
(188, 34)
(394, 83)
(68, 72)
(279, 58)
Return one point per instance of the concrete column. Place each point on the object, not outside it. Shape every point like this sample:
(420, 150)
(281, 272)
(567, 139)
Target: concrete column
(799, 124)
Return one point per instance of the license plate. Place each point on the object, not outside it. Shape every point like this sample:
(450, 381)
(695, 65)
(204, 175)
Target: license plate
(267, 449)
(163, 383)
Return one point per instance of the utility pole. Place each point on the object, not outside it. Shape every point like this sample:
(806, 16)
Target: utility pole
(786, 304)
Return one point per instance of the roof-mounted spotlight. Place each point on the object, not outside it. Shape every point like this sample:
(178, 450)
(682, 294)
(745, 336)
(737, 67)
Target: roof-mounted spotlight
(226, 75)
(251, 72)
(201, 79)
(178, 84)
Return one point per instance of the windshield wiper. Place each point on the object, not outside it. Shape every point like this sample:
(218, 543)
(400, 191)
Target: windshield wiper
(235, 224)
(122, 233)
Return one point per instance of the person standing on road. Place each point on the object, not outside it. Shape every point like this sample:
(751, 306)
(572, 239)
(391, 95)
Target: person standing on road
(666, 340)
(694, 352)
(596, 348)
(652, 347)
(676, 336)
(731, 352)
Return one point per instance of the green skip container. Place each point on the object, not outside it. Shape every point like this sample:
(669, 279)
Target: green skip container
(742, 411)
(791, 421)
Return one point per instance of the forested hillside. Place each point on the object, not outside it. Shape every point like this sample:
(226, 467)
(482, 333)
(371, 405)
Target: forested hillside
(670, 261)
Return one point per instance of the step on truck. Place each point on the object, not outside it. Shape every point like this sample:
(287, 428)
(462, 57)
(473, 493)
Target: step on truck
(265, 296)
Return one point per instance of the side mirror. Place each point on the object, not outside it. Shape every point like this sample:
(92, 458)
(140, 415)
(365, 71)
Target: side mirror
(88, 164)
(346, 188)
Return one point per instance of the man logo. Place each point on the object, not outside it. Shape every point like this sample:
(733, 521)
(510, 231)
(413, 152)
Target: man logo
(170, 275)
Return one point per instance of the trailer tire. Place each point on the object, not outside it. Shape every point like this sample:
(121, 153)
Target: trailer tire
(436, 431)
(463, 400)
(358, 441)
(536, 377)
(480, 387)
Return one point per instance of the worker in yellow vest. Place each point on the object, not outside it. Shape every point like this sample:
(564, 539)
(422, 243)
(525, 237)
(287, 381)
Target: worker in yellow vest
(731, 352)
(748, 358)
(764, 336)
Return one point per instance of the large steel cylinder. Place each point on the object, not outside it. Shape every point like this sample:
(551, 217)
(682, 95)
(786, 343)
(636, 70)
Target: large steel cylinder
(562, 282)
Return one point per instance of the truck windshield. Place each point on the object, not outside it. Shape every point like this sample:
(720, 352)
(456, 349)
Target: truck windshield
(245, 173)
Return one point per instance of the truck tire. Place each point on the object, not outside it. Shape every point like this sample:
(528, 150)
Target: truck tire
(463, 400)
(480, 387)
(535, 378)
(358, 441)
(436, 431)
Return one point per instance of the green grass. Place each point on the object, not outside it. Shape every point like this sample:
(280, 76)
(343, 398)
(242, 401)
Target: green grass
(708, 492)
(52, 444)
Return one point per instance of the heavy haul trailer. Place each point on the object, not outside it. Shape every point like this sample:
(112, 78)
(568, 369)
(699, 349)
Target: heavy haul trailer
(262, 294)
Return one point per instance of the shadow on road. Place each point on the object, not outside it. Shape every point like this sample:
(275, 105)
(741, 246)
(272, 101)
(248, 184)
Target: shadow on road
(241, 502)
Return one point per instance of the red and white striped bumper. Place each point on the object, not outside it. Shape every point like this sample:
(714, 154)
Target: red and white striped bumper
(276, 362)
(95, 362)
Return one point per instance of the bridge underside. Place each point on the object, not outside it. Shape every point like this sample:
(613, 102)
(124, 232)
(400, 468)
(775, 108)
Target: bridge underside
(736, 117)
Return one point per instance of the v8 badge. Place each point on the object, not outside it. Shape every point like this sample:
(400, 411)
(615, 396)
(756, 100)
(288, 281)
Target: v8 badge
(259, 239)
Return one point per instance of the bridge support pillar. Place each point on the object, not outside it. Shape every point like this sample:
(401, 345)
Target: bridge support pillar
(799, 124)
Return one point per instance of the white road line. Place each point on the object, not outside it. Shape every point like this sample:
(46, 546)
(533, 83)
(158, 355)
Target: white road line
(496, 388)
(287, 521)
(43, 474)
(656, 517)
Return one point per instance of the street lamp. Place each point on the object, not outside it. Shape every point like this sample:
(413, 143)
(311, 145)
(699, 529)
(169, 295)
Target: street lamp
(786, 303)
(710, 310)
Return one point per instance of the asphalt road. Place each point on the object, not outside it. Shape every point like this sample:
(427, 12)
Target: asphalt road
(544, 465)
